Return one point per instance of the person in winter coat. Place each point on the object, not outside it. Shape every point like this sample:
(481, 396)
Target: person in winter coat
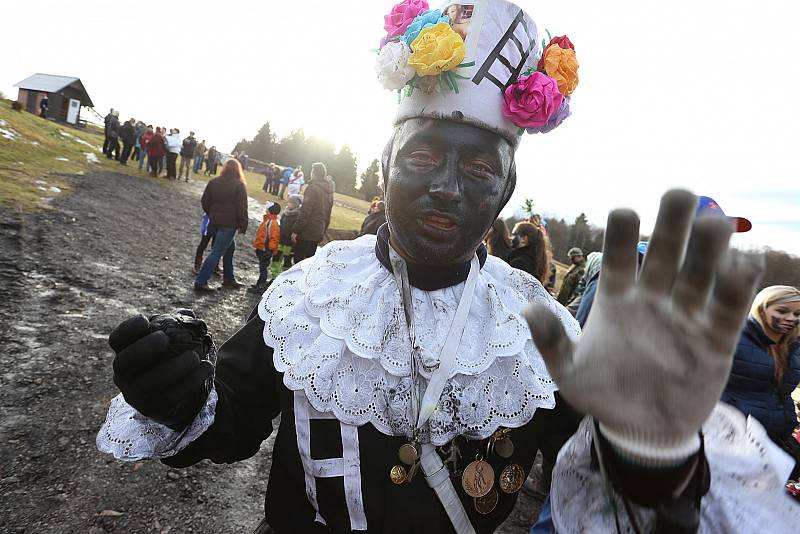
(288, 220)
(127, 134)
(374, 220)
(573, 276)
(143, 140)
(530, 251)
(173, 149)
(155, 151)
(225, 201)
(113, 136)
(283, 181)
(766, 364)
(315, 214)
(498, 240)
(106, 131)
(211, 161)
(139, 129)
(583, 302)
(267, 245)
(296, 181)
(199, 155)
(188, 148)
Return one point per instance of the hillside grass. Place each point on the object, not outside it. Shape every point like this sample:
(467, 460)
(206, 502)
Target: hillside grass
(33, 153)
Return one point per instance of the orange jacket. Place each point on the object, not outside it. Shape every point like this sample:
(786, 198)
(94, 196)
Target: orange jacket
(269, 224)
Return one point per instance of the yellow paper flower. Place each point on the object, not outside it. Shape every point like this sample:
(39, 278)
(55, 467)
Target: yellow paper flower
(562, 65)
(436, 49)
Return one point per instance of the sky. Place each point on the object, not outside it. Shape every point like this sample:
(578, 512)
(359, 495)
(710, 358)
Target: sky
(701, 95)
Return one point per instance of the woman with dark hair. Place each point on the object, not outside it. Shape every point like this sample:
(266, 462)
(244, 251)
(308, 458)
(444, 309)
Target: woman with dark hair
(766, 364)
(225, 202)
(530, 251)
(498, 242)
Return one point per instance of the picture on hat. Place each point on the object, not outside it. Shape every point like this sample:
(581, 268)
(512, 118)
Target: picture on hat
(460, 16)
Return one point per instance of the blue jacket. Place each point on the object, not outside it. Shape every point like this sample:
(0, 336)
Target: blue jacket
(752, 388)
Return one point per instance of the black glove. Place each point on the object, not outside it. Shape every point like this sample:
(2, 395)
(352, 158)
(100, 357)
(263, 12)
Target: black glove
(277, 256)
(164, 366)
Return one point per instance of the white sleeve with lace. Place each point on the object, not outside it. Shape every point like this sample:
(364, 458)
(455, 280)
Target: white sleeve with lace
(748, 472)
(131, 436)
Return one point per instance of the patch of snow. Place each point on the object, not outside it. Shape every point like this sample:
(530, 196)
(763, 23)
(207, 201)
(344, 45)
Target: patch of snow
(35, 143)
(41, 188)
(2, 122)
(41, 182)
(54, 189)
(20, 163)
(91, 157)
(62, 158)
(9, 134)
(77, 139)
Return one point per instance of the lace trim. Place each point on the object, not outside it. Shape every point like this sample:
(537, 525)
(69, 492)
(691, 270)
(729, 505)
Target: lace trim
(131, 436)
(337, 328)
(748, 472)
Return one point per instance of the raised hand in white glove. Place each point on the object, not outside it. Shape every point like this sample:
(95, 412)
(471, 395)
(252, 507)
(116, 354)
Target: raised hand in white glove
(655, 354)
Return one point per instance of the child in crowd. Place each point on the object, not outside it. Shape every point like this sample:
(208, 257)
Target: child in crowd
(288, 219)
(267, 245)
(206, 236)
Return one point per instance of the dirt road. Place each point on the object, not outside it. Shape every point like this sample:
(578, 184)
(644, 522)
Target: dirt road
(115, 246)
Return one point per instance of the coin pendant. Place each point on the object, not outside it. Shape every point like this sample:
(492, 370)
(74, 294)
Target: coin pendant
(486, 504)
(511, 478)
(398, 474)
(478, 478)
(408, 454)
(504, 447)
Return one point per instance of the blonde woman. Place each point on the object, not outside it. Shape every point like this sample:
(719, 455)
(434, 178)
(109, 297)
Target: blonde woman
(766, 365)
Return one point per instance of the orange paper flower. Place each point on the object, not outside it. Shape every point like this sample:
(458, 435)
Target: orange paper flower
(562, 65)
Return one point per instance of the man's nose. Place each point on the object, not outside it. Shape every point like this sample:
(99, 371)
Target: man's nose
(446, 185)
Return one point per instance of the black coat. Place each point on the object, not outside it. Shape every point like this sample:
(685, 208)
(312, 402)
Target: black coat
(524, 259)
(127, 133)
(288, 220)
(315, 213)
(372, 222)
(225, 201)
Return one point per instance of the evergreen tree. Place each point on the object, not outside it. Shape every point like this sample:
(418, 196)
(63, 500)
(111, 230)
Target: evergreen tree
(343, 169)
(263, 146)
(580, 234)
(369, 184)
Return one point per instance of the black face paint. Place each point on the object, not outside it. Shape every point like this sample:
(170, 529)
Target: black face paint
(446, 184)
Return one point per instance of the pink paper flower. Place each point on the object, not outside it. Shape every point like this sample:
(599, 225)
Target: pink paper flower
(532, 100)
(402, 14)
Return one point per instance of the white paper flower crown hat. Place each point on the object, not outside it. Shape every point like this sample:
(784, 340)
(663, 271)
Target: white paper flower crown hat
(479, 63)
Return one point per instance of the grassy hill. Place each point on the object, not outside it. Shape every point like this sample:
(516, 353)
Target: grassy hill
(35, 151)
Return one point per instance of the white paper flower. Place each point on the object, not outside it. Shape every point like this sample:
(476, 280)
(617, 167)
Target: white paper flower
(392, 65)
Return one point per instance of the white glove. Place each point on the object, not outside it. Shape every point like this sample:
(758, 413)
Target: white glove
(656, 353)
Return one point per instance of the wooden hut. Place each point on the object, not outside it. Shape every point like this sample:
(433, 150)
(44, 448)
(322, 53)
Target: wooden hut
(65, 94)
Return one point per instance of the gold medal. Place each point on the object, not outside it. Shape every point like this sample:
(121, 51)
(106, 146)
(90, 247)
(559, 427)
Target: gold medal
(486, 504)
(504, 447)
(408, 454)
(398, 474)
(511, 478)
(478, 478)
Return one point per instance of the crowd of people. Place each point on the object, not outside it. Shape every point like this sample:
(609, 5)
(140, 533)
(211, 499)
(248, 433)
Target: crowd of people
(157, 149)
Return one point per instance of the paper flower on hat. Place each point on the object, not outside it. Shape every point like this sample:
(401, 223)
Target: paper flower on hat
(561, 41)
(422, 21)
(402, 14)
(532, 100)
(556, 120)
(392, 66)
(560, 64)
(437, 49)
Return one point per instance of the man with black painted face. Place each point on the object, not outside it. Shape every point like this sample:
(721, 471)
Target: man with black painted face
(411, 393)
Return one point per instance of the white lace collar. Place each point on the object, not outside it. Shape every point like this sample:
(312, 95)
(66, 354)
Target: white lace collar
(338, 332)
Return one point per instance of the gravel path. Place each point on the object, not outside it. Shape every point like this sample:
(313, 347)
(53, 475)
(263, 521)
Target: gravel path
(115, 246)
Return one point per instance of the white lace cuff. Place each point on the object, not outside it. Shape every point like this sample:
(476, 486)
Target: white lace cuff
(131, 436)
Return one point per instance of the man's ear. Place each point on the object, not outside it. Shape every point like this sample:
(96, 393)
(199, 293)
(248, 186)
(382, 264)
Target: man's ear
(511, 184)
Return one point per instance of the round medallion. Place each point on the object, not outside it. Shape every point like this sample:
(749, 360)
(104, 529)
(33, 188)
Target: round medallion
(504, 447)
(398, 474)
(486, 504)
(511, 478)
(408, 454)
(478, 478)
